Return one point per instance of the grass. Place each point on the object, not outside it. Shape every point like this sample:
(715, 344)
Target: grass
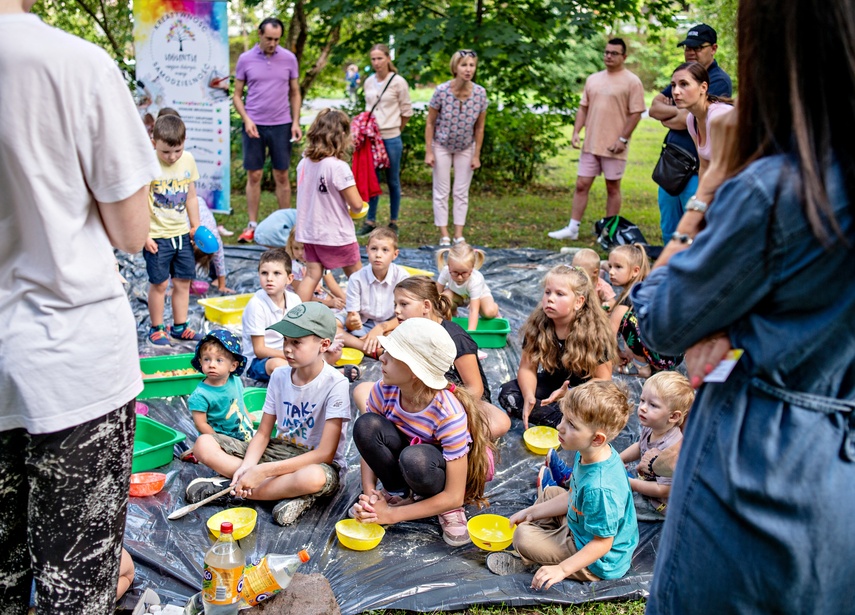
(514, 217)
(634, 607)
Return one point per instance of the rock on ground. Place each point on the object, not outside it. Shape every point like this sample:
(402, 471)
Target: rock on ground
(308, 594)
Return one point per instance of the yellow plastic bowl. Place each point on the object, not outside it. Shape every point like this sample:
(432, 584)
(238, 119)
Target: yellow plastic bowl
(350, 356)
(242, 520)
(491, 532)
(359, 536)
(540, 439)
(360, 214)
(414, 271)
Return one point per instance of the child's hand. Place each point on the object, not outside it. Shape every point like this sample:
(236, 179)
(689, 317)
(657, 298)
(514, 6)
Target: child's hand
(246, 479)
(372, 508)
(226, 290)
(523, 516)
(528, 404)
(150, 245)
(370, 343)
(547, 576)
(353, 322)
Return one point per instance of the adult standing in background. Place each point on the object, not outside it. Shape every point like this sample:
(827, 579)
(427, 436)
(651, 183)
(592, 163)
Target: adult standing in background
(271, 116)
(75, 167)
(700, 45)
(388, 94)
(454, 133)
(610, 109)
(761, 507)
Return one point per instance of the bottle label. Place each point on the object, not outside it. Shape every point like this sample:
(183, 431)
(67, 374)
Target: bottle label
(259, 584)
(222, 585)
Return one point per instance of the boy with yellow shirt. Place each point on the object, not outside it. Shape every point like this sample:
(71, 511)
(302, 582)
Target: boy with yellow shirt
(172, 200)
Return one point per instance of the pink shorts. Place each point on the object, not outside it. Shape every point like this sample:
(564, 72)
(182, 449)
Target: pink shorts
(591, 166)
(332, 257)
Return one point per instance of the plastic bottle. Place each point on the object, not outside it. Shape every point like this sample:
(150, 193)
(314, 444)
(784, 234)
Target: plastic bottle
(222, 579)
(272, 575)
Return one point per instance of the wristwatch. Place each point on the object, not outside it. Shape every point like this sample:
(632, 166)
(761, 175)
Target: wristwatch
(695, 204)
(682, 238)
(622, 140)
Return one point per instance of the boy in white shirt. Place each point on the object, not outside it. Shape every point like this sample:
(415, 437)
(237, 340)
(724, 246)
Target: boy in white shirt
(370, 303)
(308, 402)
(261, 345)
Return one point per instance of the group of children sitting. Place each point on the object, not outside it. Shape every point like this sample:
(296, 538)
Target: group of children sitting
(427, 430)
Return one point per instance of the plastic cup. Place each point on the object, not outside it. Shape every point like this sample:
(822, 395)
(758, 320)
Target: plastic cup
(360, 214)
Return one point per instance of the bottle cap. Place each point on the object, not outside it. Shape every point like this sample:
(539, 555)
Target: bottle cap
(303, 555)
(226, 527)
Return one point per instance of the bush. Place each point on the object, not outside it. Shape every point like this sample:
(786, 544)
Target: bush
(517, 145)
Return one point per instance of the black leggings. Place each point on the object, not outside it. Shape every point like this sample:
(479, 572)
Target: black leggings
(63, 499)
(398, 464)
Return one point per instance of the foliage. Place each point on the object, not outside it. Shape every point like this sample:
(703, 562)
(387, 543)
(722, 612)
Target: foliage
(654, 56)
(722, 15)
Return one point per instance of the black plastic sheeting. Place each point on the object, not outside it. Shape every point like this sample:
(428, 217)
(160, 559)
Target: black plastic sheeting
(412, 568)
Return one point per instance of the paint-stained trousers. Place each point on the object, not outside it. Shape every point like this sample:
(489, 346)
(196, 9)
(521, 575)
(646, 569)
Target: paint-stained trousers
(63, 502)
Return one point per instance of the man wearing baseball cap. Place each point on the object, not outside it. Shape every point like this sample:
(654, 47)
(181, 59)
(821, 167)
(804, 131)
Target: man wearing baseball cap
(700, 45)
(308, 402)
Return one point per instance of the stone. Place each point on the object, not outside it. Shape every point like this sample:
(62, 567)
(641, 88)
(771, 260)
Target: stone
(308, 594)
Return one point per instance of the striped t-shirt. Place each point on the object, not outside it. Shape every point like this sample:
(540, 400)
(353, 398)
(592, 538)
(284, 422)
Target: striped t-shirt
(443, 423)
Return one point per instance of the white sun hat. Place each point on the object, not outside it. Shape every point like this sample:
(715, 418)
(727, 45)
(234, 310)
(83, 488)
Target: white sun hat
(425, 347)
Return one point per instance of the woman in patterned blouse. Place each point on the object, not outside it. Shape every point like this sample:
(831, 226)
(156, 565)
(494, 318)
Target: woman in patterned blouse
(453, 137)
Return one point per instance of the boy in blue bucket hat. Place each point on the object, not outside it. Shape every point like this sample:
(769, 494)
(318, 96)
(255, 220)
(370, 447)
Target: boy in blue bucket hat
(217, 403)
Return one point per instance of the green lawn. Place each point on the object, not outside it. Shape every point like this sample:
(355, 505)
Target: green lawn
(521, 217)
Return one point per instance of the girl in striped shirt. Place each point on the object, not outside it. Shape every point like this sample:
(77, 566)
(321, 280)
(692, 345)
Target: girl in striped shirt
(425, 439)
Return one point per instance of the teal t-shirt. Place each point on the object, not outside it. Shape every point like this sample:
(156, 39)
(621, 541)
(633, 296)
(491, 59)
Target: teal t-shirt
(601, 505)
(224, 408)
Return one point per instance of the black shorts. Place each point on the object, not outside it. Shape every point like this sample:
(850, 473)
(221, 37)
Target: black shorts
(275, 140)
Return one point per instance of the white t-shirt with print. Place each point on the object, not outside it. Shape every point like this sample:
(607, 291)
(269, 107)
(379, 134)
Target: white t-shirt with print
(259, 314)
(473, 288)
(301, 411)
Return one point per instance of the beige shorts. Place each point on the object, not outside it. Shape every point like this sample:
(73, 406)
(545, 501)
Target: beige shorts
(280, 450)
(549, 541)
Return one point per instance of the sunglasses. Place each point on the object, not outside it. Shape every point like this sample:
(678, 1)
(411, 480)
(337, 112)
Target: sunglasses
(467, 53)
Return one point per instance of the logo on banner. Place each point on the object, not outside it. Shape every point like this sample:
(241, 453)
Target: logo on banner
(181, 49)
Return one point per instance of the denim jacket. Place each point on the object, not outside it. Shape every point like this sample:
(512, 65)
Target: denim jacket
(757, 272)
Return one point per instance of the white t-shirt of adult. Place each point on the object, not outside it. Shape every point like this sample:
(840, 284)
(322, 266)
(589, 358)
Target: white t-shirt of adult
(714, 110)
(374, 299)
(70, 135)
(301, 411)
(473, 288)
(322, 213)
(259, 314)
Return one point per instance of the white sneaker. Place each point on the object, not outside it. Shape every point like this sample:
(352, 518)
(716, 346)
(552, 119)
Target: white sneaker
(565, 233)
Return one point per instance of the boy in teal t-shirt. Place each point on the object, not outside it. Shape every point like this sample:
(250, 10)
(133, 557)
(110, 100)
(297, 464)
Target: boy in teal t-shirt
(589, 532)
(217, 403)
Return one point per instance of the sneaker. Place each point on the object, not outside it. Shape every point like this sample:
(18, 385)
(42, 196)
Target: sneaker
(157, 336)
(504, 563)
(202, 488)
(453, 524)
(185, 333)
(559, 468)
(247, 236)
(393, 226)
(224, 231)
(544, 480)
(565, 233)
(445, 241)
(366, 229)
(458, 240)
(288, 511)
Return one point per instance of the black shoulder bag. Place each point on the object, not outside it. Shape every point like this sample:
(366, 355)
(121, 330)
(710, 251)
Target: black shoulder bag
(674, 168)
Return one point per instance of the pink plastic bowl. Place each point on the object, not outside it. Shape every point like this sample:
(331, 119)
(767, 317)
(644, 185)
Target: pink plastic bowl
(199, 287)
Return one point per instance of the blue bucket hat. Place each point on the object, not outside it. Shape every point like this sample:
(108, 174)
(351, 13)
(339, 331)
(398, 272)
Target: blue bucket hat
(227, 341)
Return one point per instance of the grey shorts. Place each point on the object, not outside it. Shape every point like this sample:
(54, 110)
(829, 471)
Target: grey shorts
(280, 450)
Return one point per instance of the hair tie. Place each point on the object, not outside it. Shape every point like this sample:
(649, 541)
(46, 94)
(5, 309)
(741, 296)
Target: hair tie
(451, 387)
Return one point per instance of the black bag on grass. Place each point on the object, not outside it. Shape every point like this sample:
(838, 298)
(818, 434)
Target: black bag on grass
(615, 231)
(674, 169)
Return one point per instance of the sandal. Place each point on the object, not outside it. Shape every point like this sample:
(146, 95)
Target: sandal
(444, 242)
(504, 563)
(351, 372)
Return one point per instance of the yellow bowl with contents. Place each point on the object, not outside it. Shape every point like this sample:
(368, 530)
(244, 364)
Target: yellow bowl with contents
(540, 439)
(242, 519)
(491, 532)
(359, 536)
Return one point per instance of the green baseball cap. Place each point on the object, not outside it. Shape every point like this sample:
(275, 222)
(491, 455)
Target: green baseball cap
(311, 318)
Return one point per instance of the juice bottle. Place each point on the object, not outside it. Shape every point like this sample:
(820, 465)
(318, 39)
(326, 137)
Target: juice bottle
(273, 574)
(223, 575)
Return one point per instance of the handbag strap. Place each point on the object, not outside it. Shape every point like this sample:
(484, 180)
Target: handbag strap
(388, 83)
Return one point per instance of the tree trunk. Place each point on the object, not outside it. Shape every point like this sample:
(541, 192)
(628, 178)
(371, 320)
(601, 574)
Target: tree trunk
(298, 30)
(323, 58)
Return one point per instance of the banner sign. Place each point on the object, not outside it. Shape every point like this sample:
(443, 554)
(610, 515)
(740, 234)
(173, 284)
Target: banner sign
(182, 61)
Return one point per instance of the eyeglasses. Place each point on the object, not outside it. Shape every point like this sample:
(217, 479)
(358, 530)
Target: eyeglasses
(699, 48)
(467, 53)
(612, 53)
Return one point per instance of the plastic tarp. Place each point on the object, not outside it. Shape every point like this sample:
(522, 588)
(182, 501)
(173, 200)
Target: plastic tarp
(412, 568)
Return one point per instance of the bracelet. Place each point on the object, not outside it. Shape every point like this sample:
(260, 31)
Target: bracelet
(682, 238)
(650, 465)
(695, 204)
(622, 140)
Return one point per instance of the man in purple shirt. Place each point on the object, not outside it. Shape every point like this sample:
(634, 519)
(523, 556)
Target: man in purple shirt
(271, 115)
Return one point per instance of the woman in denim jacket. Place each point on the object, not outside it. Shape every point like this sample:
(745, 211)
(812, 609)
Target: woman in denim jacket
(762, 508)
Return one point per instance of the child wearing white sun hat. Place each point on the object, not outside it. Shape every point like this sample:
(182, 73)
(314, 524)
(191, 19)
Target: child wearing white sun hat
(424, 438)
